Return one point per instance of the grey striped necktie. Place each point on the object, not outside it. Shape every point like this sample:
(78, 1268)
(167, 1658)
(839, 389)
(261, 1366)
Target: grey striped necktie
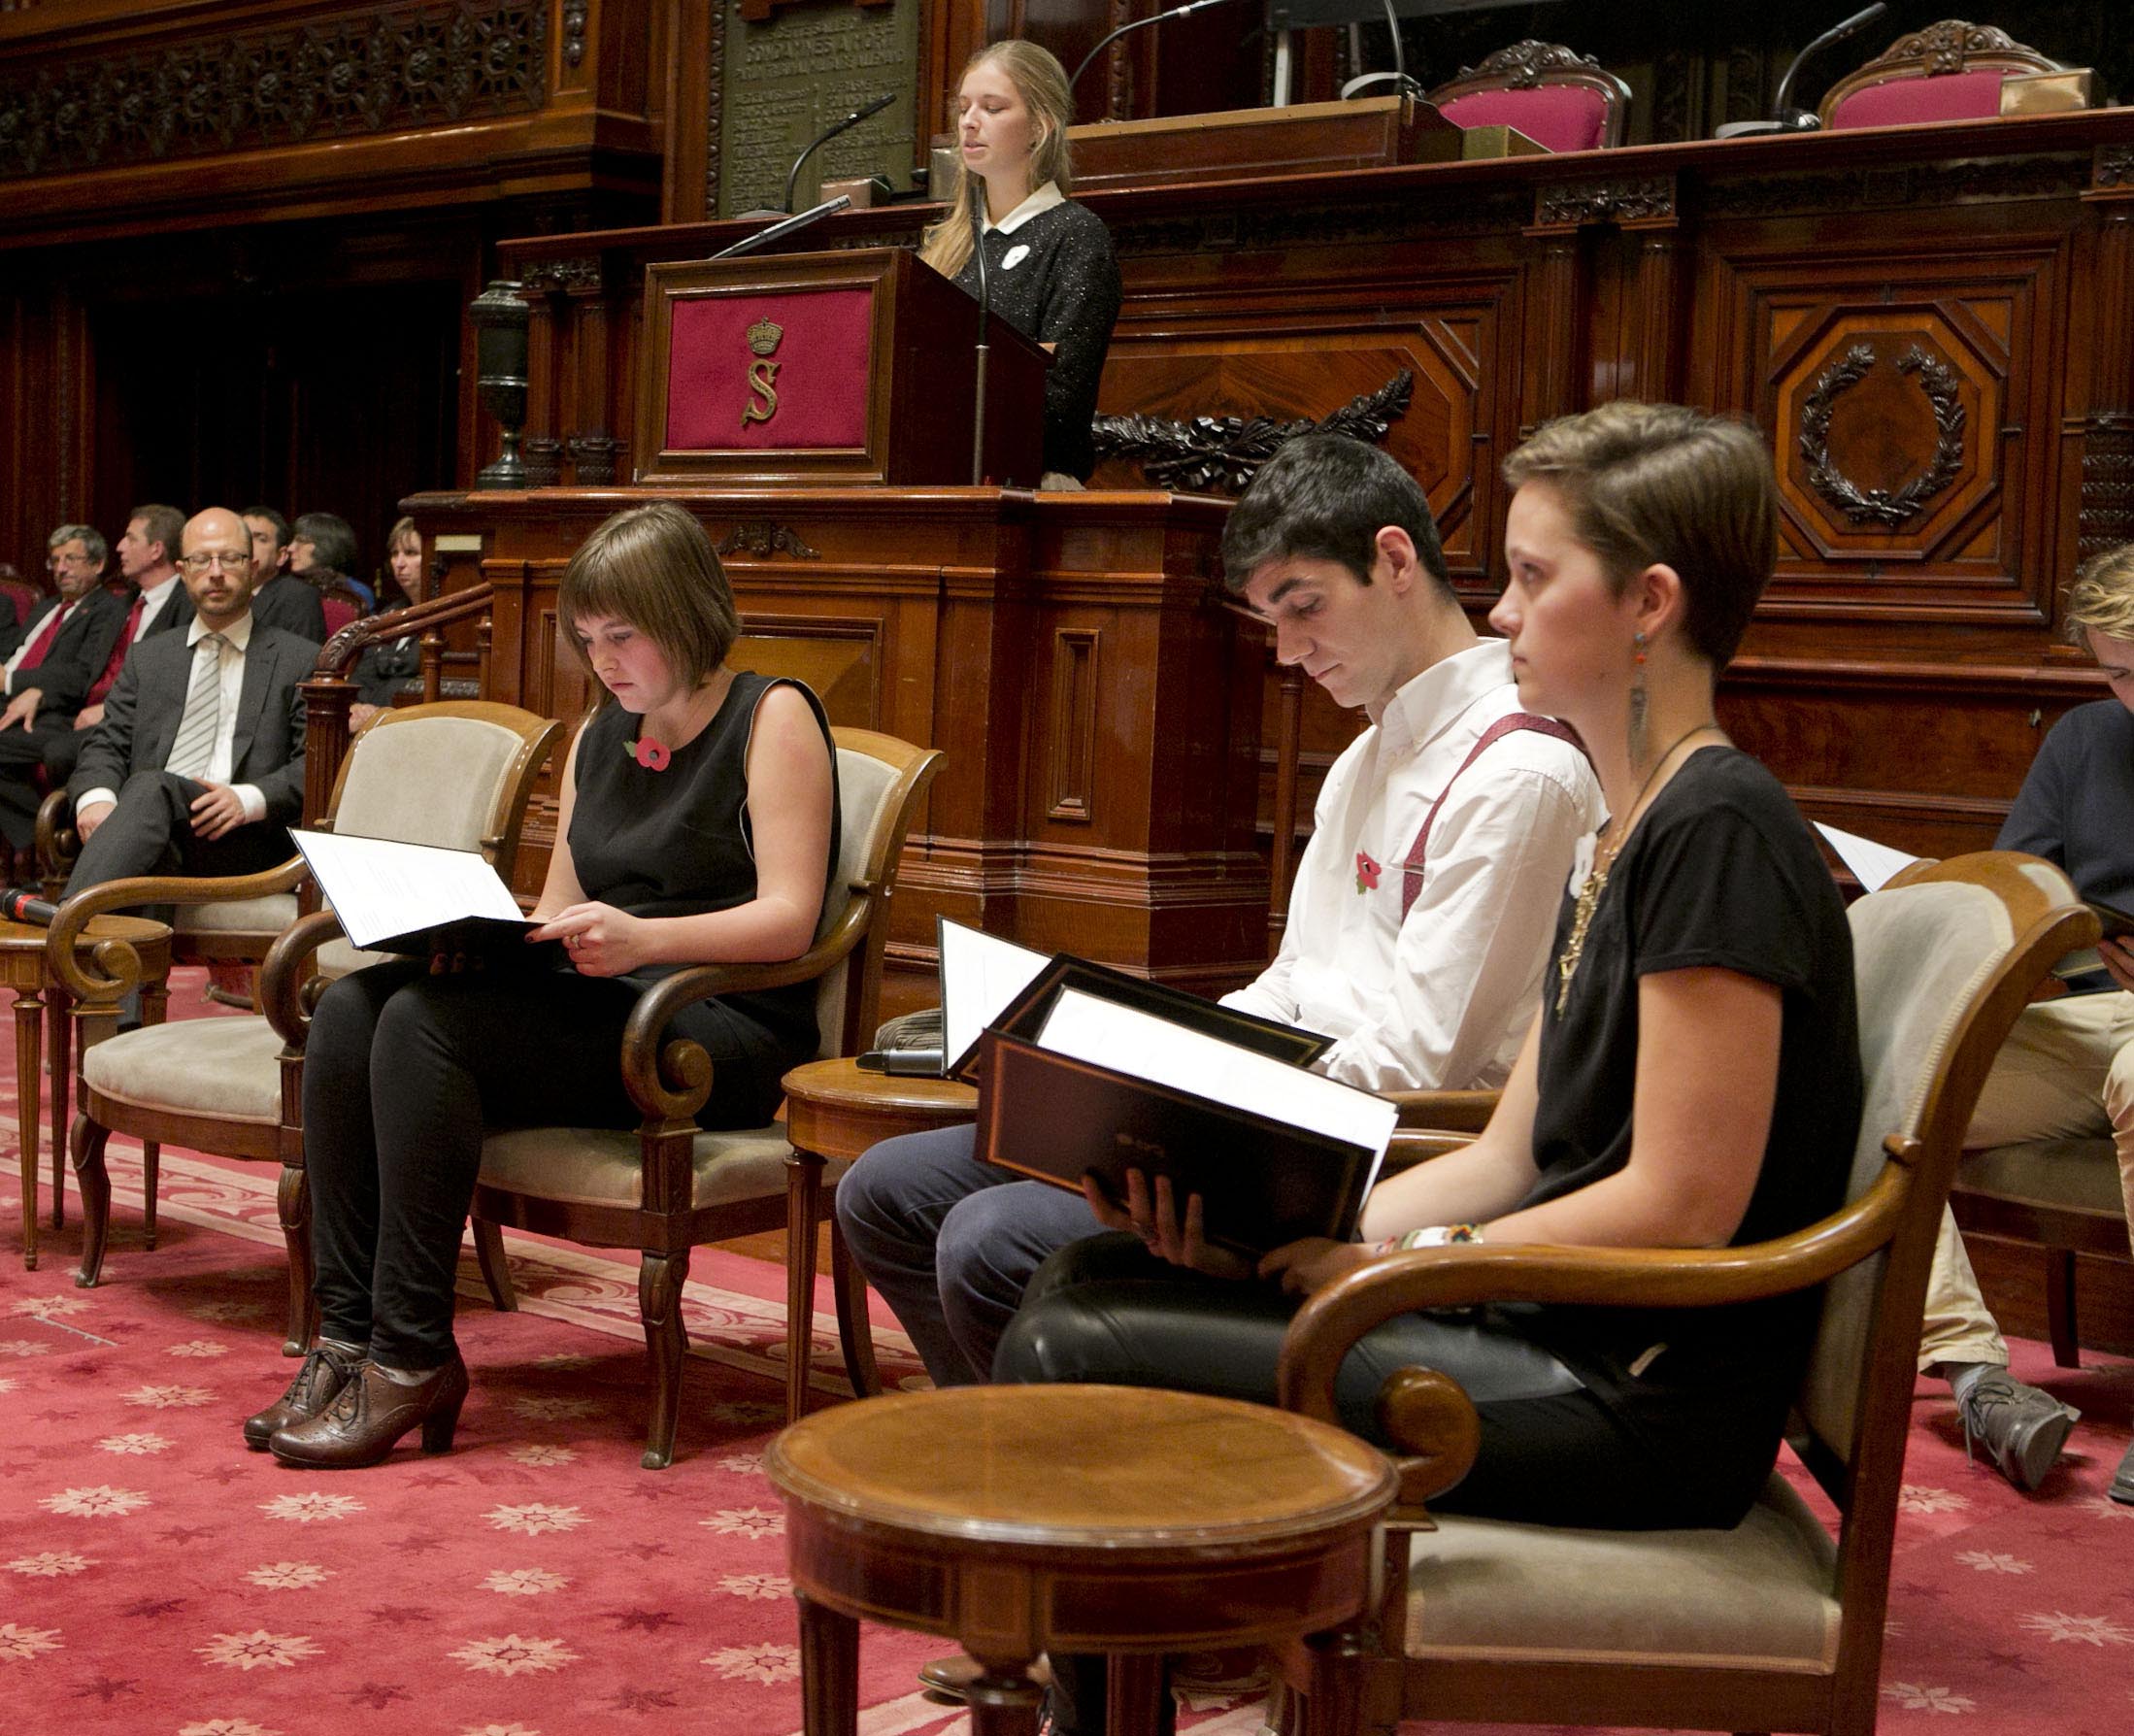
(194, 749)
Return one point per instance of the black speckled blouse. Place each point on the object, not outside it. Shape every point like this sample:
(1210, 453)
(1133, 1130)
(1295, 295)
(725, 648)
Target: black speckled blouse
(1061, 289)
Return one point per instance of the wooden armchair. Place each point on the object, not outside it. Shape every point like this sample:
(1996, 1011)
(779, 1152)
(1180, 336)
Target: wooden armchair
(1557, 96)
(456, 774)
(1950, 71)
(1768, 1626)
(666, 1186)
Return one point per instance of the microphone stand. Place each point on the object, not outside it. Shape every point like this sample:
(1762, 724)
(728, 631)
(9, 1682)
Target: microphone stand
(1785, 117)
(985, 315)
(763, 238)
(821, 139)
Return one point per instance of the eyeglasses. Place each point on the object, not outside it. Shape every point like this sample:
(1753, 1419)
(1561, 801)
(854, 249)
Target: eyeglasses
(67, 560)
(200, 563)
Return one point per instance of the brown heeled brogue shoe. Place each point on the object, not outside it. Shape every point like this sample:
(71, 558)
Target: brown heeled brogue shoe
(370, 1414)
(325, 1371)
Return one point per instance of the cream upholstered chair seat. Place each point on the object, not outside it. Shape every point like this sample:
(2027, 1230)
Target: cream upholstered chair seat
(456, 774)
(665, 1185)
(599, 1166)
(1770, 1624)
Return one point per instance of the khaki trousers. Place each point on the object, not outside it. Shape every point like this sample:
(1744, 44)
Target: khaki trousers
(2066, 1071)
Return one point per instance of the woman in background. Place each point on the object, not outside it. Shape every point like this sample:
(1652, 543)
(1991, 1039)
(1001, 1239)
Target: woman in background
(382, 666)
(1049, 260)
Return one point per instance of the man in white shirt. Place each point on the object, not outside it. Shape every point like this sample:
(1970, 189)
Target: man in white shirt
(1422, 910)
(198, 765)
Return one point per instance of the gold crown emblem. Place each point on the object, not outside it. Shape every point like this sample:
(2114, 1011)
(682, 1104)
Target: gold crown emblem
(763, 336)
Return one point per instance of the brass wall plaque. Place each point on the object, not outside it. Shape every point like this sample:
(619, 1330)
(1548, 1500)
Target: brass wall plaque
(808, 65)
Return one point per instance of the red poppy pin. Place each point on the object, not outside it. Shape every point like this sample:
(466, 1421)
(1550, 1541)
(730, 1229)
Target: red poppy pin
(1367, 874)
(652, 755)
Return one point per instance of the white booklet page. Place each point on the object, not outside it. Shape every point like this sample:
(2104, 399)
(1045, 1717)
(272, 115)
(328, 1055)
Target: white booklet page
(1874, 865)
(979, 975)
(380, 887)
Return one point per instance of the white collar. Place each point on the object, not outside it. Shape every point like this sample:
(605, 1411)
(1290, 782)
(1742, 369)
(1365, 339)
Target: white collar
(1429, 703)
(238, 632)
(152, 596)
(1036, 205)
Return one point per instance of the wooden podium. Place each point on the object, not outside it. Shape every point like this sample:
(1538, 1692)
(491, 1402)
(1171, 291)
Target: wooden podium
(845, 367)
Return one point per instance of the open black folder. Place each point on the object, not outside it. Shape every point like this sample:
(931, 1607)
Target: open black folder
(1275, 1151)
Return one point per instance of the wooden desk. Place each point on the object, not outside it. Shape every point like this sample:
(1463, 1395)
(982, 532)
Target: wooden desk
(40, 1001)
(1018, 1519)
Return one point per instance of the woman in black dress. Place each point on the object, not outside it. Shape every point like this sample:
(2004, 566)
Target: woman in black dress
(698, 825)
(1049, 260)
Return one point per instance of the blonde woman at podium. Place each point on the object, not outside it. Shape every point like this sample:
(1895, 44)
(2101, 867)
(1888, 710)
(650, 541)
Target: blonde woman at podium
(1047, 261)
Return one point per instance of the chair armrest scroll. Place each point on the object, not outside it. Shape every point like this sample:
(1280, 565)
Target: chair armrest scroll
(285, 975)
(76, 913)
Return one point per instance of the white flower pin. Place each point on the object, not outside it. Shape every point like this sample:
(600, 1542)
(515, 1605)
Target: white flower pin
(1016, 256)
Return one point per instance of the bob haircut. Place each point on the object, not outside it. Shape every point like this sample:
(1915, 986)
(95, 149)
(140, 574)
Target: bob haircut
(654, 567)
(1657, 484)
(1042, 82)
(403, 535)
(1326, 497)
(2101, 597)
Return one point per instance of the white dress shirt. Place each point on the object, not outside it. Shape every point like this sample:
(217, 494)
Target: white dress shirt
(152, 599)
(1442, 1000)
(225, 757)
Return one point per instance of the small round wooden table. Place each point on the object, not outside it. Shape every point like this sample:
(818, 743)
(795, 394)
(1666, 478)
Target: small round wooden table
(836, 1109)
(22, 969)
(1113, 1519)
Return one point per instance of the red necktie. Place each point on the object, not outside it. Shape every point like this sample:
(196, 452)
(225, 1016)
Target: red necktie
(42, 644)
(117, 653)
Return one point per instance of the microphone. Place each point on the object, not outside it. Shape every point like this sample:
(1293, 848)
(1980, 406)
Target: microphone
(828, 134)
(20, 906)
(763, 238)
(1158, 17)
(1785, 117)
(985, 312)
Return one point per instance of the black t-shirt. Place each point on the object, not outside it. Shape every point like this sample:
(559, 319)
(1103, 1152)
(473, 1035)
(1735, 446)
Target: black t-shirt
(1721, 872)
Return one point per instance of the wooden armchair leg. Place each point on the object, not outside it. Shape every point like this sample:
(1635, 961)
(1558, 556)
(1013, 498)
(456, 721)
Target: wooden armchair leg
(151, 1161)
(854, 1333)
(2061, 1324)
(803, 1205)
(659, 1280)
(496, 1269)
(86, 1142)
(293, 1200)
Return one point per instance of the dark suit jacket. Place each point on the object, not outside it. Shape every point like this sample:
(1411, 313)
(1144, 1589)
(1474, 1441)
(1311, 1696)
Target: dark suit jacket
(289, 602)
(77, 656)
(11, 626)
(175, 615)
(141, 719)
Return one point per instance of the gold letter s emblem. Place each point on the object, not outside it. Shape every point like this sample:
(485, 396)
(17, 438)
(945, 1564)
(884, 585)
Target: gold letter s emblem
(763, 381)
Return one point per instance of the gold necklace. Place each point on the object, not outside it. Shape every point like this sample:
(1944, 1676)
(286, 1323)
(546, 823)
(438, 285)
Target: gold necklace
(1596, 879)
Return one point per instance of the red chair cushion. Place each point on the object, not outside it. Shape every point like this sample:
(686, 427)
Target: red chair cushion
(340, 612)
(1954, 96)
(1560, 116)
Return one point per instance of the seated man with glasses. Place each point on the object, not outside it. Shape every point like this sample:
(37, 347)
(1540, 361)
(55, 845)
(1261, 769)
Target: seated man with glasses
(198, 765)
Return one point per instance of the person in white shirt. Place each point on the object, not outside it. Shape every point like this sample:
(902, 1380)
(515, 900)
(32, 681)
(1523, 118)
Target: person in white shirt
(1423, 906)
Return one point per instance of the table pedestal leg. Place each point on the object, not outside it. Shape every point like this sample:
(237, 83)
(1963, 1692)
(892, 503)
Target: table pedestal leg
(28, 1010)
(59, 1046)
(1134, 1687)
(1004, 1701)
(830, 1669)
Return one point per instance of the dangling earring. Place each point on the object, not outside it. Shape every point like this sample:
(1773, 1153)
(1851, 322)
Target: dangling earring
(1639, 701)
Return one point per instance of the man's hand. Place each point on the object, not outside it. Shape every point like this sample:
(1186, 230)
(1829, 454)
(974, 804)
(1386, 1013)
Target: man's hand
(22, 708)
(360, 713)
(87, 819)
(1312, 1263)
(2118, 959)
(89, 716)
(1154, 1216)
(220, 811)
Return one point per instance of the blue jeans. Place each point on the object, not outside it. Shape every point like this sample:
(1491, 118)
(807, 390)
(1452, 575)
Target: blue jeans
(950, 1242)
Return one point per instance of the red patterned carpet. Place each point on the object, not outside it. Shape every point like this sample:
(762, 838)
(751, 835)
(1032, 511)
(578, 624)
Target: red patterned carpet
(158, 1580)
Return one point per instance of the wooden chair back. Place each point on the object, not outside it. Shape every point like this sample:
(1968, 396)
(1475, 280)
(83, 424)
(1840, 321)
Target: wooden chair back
(1557, 96)
(1950, 71)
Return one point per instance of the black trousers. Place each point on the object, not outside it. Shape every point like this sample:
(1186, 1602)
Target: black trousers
(23, 752)
(151, 832)
(404, 1073)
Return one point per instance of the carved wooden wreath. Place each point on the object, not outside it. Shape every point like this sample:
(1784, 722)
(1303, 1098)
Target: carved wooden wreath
(1222, 453)
(1882, 506)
